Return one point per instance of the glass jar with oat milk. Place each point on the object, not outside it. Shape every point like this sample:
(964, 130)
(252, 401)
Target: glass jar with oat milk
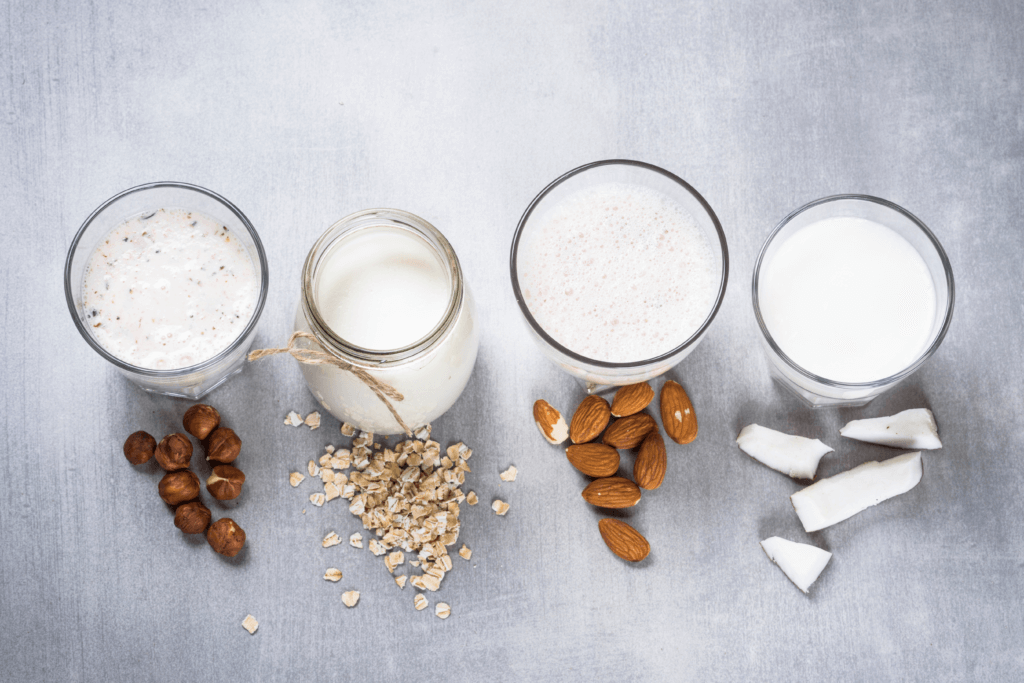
(383, 291)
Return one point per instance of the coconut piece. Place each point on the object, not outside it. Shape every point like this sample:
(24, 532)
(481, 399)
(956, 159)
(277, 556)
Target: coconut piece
(800, 562)
(840, 497)
(913, 428)
(795, 456)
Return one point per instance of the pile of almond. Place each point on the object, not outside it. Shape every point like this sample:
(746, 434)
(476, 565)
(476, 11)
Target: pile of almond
(631, 429)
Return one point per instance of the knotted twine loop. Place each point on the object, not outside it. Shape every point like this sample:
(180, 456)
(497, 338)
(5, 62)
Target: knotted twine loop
(321, 357)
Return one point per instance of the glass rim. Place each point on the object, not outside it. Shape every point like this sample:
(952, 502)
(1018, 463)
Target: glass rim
(692, 339)
(389, 218)
(209, 362)
(925, 355)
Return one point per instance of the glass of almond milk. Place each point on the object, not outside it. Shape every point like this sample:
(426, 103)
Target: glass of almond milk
(383, 291)
(166, 281)
(619, 268)
(852, 295)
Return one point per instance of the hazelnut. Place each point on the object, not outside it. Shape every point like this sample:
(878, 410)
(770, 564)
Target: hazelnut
(226, 482)
(174, 452)
(139, 448)
(200, 420)
(192, 518)
(226, 537)
(223, 446)
(179, 487)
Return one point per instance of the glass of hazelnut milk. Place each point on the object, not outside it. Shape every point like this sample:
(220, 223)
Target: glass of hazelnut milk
(382, 290)
(852, 295)
(619, 267)
(166, 281)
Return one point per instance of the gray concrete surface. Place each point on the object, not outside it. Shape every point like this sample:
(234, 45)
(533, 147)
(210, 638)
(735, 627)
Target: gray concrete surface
(303, 112)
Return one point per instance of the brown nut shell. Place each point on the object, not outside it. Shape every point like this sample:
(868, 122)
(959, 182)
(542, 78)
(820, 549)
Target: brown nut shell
(593, 459)
(612, 492)
(624, 540)
(651, 462)
(226, 482)
(139, 448)
(174, 452)
(590, 419)
(226, 537)
(677, 414)
(550, 422)
(223, 446)
(630, 431)
(179, 487)
(200, 420)
(631, 399)
(192, 518)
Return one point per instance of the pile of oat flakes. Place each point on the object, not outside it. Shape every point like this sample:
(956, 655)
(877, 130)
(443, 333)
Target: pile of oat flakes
(409, 495)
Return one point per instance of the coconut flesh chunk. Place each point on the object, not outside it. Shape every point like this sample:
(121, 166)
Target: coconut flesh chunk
(795, 456)
(802, 563)
(914, 428)
(840, 497)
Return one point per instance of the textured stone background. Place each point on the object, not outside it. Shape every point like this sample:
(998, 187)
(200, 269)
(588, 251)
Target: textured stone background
(303, 112)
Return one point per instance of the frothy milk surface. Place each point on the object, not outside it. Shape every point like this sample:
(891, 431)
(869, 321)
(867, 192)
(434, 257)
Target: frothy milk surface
(617, 273)
(382, 288)
(848, 299)
(169, 289)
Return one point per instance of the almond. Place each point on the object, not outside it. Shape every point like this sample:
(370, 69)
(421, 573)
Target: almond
(550, 422)
(629, 431)
(590, 419)
(593, 459)
(624, 540)
(612, 492)
(632, 399)
(677, 414)
(651, 461)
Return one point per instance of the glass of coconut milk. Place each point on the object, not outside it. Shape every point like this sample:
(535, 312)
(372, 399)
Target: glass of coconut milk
(619, 268)
(166, 281)
(852, 295)
(383, 291)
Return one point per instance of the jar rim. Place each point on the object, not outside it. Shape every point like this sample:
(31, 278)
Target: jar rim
(369, 219)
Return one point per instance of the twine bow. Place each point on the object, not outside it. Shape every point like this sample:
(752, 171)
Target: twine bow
(320, 357)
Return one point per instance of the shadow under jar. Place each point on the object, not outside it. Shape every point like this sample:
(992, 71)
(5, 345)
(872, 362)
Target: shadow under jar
(383, 291)
(619, 268)
(852, 294)
(143, 310)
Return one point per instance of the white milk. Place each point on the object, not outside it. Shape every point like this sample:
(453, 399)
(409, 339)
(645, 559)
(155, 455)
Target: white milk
(618, 273)
(382, 288)
(848, 299)
(169, 289)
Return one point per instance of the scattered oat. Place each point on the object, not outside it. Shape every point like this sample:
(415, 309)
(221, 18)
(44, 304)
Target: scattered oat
(250, 624)
(465, 553)
(471, 498)
(325, 460)
(347, 429)
(509, 474)
(356, 540)
(429, 582)
(313, 420)
(422, 433)
(329, 448)
(333, 574)
(500, 506)
(317, 499)
(400, 580)
(350, 598)
(295, 478)
(393, 559)
(293, 419)
(331, 539)
(313, 470)
(331, 492)
(420, 601)
(377, 548)
(442, 610)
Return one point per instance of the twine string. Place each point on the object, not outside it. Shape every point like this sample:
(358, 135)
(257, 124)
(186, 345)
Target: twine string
(318, 356)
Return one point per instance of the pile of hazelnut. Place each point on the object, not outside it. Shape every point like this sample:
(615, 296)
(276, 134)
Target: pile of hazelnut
(179, 488)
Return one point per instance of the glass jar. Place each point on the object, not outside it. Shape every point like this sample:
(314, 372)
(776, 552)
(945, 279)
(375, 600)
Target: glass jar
(195, 381)
(816, 391)
(430, 372)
